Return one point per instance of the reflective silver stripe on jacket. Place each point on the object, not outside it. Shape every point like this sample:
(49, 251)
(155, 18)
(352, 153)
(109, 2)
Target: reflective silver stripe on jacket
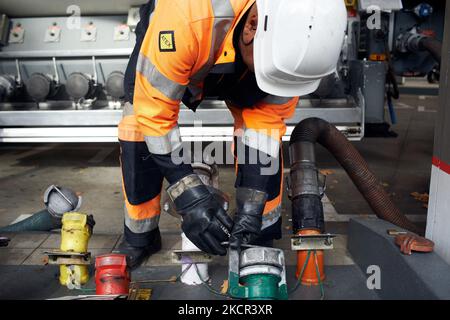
(169, 88)
(270, 99)
(153, 12)
(271, 217)
(141, 226)
(127, 110)
(261, 142)
(224, 16)
(164, 144)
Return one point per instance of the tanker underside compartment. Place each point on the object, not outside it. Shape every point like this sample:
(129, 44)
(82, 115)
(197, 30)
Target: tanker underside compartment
(64, 83)
(62, 70)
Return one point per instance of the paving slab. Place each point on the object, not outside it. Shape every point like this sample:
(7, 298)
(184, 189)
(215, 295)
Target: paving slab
(14, 257)
(26, 240)
(41, 282)
(417, 276)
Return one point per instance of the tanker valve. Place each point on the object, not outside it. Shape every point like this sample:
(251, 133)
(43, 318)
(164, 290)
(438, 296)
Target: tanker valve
(310, 245)
(73, 257)
(257, 273)
(423, 10)
(80, 86)
(112, 276)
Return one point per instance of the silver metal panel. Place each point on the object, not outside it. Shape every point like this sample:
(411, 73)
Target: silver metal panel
(210, 113)
(386, 5)
(370, 76)
(210, 117)
(109, 134)
(66, 53)
(211, 122)
(442, 130)
(438, 218)
(69, 44)
(36, 8)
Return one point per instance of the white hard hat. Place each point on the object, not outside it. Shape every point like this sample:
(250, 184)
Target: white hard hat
(297, 43)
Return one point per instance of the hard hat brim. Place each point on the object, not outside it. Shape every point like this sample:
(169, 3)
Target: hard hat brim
(280, 89)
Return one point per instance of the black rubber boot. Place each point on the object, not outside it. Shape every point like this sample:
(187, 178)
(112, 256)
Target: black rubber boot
(137, 255)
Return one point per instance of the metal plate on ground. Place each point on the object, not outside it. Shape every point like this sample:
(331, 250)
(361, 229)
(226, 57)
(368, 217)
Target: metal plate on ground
(69, 258)
(190, 257)
(313, 242)
(137, 293)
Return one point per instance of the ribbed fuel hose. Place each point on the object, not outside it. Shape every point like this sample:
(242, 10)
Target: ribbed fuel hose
(433, 46)
(316, 130)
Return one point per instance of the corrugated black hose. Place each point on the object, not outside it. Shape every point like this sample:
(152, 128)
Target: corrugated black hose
(433, 46)
(314, 130)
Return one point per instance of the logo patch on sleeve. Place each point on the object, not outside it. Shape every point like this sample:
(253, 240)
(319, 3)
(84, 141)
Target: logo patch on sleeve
(167, 41)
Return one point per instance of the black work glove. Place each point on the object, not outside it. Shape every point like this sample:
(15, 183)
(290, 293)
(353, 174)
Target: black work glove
(248, 219)
(205, 221)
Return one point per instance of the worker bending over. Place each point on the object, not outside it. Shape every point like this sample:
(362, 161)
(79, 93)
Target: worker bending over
(258, 56)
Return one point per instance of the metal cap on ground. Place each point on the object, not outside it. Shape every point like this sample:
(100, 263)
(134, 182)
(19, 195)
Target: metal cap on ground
(59, 200)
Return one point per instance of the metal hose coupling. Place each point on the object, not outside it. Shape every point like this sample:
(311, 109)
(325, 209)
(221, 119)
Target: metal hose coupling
(59, 200)
(307, 186)
(414, 41)
(257, 273)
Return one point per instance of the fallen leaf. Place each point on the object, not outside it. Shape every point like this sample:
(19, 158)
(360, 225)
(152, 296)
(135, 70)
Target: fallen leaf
(224, 287)
(326, 172)
(422, 197)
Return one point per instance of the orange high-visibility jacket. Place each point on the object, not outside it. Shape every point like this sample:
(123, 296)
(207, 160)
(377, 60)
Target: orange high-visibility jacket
(184, 41)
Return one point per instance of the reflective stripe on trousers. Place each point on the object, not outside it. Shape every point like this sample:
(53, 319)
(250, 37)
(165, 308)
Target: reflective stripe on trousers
(144, 217)
(141, 183)
(262, 140)
(165, 144)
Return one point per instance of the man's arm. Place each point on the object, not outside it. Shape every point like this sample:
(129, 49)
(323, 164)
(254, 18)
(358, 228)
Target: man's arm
(264, 126)
(164, 66)
(163, 70)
